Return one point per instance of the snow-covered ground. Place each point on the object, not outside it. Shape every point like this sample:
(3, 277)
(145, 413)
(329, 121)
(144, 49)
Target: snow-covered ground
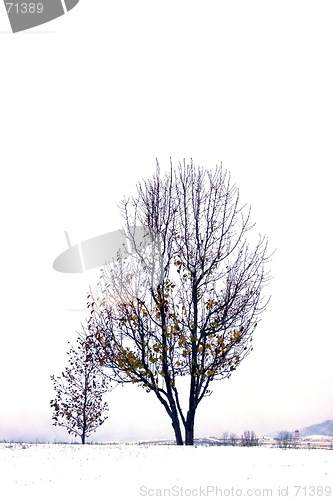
(116, 472)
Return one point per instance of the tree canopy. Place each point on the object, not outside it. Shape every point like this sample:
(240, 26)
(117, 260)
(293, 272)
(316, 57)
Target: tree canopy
(79, 390)
(187, 302)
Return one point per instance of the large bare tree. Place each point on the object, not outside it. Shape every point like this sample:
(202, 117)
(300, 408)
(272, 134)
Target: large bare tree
(187, 301)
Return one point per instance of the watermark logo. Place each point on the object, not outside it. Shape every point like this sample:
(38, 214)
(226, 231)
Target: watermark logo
(105, 248)
(25, 15)
(95, 252)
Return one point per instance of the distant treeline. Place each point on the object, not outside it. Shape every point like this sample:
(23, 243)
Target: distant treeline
(285, 439)
(249, 438)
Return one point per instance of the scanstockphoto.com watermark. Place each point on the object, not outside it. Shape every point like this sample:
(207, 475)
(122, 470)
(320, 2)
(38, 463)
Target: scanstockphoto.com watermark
(215, 491)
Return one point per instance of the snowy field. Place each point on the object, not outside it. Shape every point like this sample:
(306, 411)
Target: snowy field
(53, 471)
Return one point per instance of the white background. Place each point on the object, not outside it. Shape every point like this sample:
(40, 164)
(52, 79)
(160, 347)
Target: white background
(87, 102)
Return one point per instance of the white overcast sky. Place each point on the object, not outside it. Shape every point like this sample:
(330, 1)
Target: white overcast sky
(87, 103)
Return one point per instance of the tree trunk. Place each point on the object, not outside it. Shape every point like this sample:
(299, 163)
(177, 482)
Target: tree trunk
(189, 427)
(83, 437)
(172, 412)
(176, 426)
(189, 424)
(176, 429)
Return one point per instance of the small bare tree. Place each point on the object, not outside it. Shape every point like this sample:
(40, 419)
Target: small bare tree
(78, 403)
(187, 302)
(249, 439)
(225, 438)
(233, 439)
(285, 439)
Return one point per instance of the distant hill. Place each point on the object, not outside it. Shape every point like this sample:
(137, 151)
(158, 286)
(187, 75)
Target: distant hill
(323, 429)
